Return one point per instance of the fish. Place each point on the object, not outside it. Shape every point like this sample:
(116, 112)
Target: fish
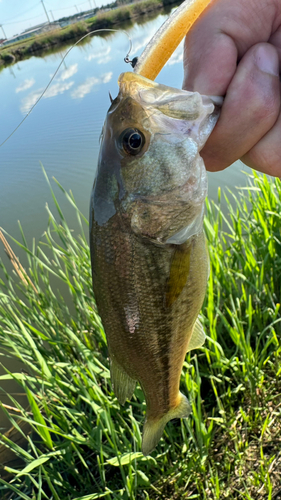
(148, 251)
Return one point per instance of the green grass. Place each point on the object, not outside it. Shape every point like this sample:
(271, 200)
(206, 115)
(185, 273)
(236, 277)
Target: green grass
(81, 444)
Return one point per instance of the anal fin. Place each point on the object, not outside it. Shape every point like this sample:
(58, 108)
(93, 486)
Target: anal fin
(197, 338)
(123, 385)
(153, 428)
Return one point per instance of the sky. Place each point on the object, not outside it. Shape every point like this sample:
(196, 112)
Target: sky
(16, 15)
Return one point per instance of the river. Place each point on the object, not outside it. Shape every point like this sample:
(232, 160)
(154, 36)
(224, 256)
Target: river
(62, 132)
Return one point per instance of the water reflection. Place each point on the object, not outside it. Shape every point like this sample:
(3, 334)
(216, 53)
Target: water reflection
(102, 57)
(25, 85)
(177, 56)
(63, 130)
(89, 83)
(69, 72)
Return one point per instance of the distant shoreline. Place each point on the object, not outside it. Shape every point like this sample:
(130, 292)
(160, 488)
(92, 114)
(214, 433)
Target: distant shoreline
(110, 19)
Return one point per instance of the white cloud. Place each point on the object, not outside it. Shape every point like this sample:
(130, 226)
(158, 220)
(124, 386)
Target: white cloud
(67, 73)
(106, 77)
(92, 56)
(57, 88)
(103, 56)
(104, 60)
(86, 87)
(29, 101)
(25, 85)
(177, 56)
(137, 46)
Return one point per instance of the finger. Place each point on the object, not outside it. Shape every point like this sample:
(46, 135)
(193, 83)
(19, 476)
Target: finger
(275, 40)
(214, 67)
(265, 156)
(250, 109)
(221, 37)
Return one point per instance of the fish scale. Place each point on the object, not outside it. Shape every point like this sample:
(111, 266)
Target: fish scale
(148, 250)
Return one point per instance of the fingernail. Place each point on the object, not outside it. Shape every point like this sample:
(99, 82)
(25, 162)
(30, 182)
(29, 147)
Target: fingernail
(267, 60)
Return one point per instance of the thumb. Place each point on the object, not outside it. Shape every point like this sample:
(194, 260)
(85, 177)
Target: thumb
(209, 67)
(250, 108)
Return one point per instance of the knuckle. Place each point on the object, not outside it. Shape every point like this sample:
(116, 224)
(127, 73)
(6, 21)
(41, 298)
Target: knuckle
(264, 104)
(265, 159)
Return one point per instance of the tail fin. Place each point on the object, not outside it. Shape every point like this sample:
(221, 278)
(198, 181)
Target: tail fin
(153, 428)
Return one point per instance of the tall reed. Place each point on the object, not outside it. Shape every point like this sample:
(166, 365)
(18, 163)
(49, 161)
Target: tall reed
(75, 442)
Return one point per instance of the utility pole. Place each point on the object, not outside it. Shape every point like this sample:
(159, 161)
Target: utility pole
(76, 8)
(90, 4)
(52, 16)
(12, 72)
(46, 12)
(5, 36)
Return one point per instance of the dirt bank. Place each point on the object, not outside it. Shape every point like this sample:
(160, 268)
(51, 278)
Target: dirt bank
(111, 19)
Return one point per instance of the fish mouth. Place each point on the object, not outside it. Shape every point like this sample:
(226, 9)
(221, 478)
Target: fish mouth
(216, 100)
(212, 105)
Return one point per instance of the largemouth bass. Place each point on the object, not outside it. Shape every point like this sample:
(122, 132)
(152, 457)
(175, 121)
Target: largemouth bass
(148, 249)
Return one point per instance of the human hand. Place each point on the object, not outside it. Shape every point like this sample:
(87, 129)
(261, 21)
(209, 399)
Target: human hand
(234, 49)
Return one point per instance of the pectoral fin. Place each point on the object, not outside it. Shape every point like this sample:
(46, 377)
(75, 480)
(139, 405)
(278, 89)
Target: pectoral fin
(123, 385)
(198, 337)
(179, 272)
(153, 428)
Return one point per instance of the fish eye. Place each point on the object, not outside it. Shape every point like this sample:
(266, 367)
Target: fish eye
(132, 141)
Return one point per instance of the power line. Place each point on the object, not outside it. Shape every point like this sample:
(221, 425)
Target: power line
(36, 17)
(12, 21)
(23, 20)
(19, 15)
(67, 8)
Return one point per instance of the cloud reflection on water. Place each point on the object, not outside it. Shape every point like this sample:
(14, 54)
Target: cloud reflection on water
(25, 85)
(61, 87)
(86, 87)
(57, 88)
(67, 73)
(177, 56)
(102, 57)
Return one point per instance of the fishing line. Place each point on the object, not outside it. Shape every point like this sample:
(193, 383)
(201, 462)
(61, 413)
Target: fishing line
(126, 59)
